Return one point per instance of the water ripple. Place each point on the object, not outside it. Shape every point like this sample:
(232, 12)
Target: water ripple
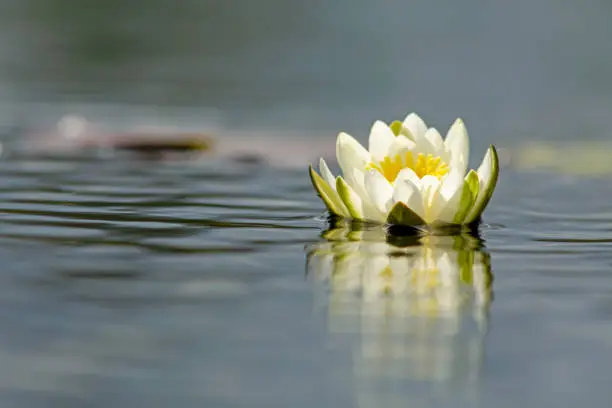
(136, 253)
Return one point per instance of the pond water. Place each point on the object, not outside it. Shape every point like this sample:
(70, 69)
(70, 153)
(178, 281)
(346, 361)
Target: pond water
(220, 283)
(129, 281)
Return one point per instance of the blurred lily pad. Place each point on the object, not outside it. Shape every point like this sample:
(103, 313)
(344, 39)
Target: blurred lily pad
(584, 158)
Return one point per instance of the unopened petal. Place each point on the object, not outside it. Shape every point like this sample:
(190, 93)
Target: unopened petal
(488, 173)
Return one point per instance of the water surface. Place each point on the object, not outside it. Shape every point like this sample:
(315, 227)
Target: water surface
(130, 281)
(192, 282)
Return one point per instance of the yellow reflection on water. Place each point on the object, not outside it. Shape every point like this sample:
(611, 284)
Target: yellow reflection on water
(416, 307)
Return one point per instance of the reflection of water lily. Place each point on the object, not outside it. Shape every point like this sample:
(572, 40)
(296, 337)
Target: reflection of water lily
(436, 276)
(419, 310)
(410, 176)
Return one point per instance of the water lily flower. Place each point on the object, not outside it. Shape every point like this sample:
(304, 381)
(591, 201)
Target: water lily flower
(409, 176)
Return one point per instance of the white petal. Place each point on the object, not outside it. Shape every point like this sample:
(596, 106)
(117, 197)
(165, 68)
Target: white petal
(407, 174)
(359, 208)
(356, 179)
(430, 189)
(458, 166)
(350, 153)
(458, 144)
(401, 144)
(450, 192)
(327, 174)
(381, 140)
(410, 194)
(451, 184)
(486, 167)
(380, 190)
(415, 125)
(435, 139)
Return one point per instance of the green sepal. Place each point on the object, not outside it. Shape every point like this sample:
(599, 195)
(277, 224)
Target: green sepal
(396, 127)
(471, 185)
(479, 207)
(331, 199)
(402, 215)
(348, 197)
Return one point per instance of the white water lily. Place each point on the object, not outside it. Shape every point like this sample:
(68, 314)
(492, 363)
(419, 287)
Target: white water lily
(409, 176)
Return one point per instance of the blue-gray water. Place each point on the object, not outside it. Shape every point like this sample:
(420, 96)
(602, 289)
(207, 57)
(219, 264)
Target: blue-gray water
(216, 282)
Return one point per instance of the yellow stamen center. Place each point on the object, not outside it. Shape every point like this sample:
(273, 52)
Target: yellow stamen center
(424, 165)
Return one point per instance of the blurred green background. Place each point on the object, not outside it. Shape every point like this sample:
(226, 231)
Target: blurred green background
(521, 69)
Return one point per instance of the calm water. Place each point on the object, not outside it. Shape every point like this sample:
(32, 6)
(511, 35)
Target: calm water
(130, 282)
(214, 283)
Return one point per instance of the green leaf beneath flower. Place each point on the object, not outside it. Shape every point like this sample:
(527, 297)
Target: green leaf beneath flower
(402, 215)
(328, 195)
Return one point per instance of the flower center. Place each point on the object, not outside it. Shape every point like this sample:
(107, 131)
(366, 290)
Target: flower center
(423, 165)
